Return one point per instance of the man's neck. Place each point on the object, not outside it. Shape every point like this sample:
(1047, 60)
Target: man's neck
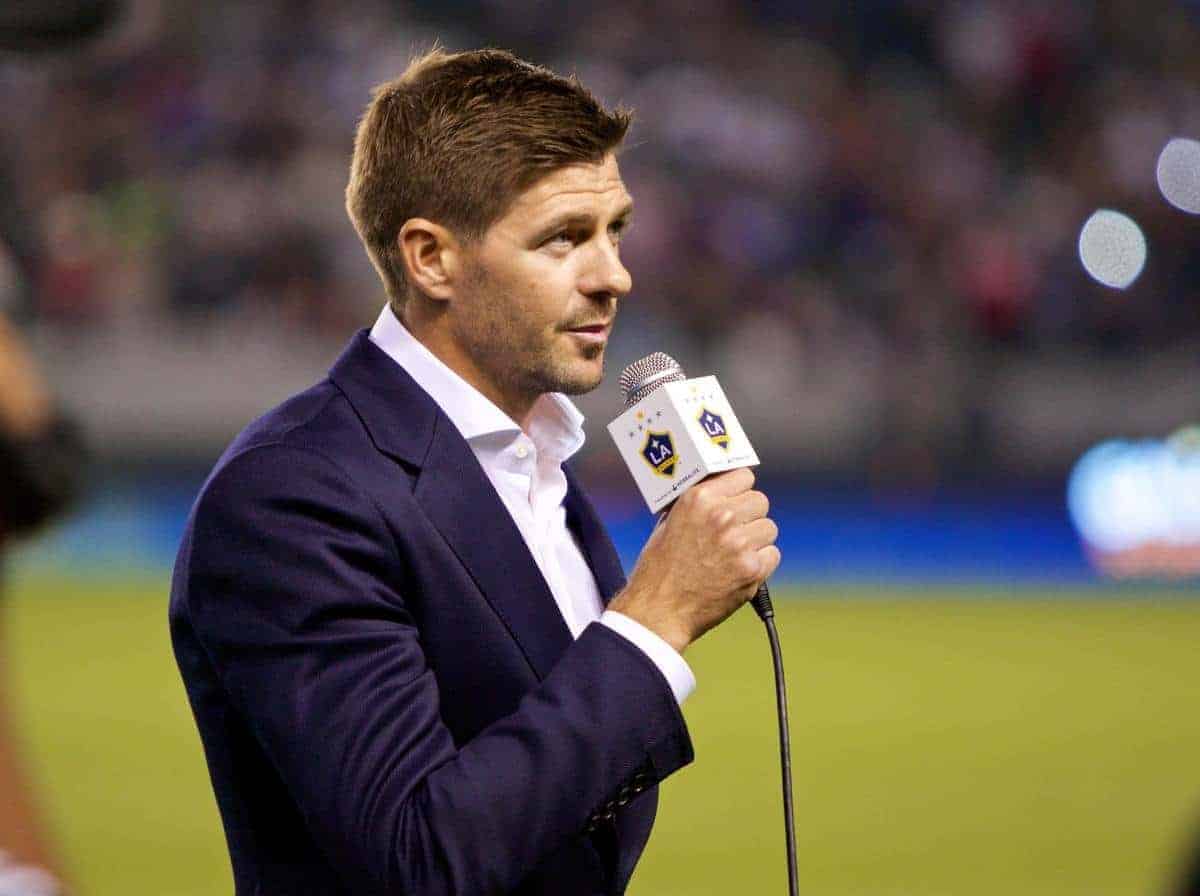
(432, 333)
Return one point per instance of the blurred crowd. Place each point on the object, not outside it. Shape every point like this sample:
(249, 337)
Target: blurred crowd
(883, 192)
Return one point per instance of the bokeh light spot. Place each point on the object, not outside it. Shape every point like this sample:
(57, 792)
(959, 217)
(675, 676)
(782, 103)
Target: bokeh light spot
(1179, 174)
(1112, 248)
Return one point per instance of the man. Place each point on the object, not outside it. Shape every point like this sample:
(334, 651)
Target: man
(414, 662)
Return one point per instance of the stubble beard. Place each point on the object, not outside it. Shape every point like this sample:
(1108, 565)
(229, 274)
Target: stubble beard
(525, 365)
(531, 367)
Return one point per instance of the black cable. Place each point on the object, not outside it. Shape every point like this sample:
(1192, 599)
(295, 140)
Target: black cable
(766, 612)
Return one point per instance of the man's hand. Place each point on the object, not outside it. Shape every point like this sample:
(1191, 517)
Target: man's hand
(705, 558)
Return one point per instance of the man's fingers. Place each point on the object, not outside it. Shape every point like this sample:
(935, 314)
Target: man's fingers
(729, 483)
(769, 557)
(749, 506)
(761, 533)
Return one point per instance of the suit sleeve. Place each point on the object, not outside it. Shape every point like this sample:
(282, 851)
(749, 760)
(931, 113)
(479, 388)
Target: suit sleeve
(288, 572)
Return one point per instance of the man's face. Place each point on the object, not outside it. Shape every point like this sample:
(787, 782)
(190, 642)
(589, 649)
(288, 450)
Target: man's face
(542, 285)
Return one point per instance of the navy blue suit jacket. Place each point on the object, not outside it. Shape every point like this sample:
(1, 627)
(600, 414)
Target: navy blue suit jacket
(388, 697)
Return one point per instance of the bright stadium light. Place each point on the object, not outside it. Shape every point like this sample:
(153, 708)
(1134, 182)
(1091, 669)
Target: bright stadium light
(1136, 505)
(1112, 248)
(1179, 174)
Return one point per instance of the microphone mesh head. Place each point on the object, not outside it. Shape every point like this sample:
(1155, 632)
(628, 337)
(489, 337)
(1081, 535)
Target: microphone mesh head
(642, 377)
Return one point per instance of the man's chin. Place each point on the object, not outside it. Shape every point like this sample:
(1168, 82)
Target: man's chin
(579, 386)
(582, 378)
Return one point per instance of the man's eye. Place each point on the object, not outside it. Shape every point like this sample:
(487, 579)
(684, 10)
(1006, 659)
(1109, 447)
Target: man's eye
(560, 238)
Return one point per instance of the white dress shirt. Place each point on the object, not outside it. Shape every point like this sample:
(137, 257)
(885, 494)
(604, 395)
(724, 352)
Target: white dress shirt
(526, 471)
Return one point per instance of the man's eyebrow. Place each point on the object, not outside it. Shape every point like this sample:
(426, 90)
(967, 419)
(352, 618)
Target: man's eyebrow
(577, 219)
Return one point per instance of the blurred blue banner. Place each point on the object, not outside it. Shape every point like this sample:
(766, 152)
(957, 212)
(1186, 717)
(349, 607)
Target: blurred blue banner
(988, 535)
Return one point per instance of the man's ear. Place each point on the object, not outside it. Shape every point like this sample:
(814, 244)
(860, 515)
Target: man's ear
(431, 256)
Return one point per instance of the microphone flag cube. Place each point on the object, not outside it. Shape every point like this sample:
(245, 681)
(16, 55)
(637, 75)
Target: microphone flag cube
(677, 435)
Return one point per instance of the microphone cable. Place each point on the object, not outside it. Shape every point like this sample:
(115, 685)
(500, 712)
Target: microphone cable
(766, 612)
(637, 381)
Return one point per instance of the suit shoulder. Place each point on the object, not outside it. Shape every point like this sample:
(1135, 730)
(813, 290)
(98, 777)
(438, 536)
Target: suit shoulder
(314, 431)
(283, 480)
(300, 421)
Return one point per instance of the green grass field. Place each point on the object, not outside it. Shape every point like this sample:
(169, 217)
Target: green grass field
(943, 743)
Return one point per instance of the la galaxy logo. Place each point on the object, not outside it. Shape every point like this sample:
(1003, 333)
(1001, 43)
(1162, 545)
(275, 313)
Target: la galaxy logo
(714, 428)
(659, 452)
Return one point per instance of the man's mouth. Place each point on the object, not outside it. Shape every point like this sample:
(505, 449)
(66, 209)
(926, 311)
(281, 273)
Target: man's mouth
(596, 334)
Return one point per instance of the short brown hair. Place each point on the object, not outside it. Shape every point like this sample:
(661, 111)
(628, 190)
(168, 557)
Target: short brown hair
(457, 137)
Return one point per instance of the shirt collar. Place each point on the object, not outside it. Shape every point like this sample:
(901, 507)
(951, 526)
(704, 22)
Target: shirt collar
(555, 425)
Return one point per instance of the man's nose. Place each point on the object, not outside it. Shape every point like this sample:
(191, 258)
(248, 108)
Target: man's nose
(605, 275)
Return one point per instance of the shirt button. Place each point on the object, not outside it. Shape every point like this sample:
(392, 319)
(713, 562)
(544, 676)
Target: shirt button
(522, 452)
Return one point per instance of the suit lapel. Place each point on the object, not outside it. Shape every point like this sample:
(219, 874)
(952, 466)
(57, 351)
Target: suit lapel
(589, 531)
(463, 505)
(407, 425)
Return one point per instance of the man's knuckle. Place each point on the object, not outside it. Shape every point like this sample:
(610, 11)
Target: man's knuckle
(748, 566)
(732, 541)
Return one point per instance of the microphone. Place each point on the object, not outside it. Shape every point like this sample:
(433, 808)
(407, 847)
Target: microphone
(642, 377)
(686, 430)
